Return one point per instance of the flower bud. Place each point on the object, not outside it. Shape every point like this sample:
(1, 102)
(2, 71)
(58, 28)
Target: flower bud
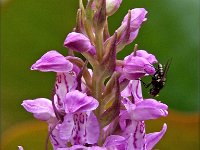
(130, 26)
(112, 6)
(79, 42)
(100, 15)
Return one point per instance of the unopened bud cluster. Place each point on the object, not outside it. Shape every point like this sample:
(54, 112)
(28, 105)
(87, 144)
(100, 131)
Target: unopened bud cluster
(101, 107)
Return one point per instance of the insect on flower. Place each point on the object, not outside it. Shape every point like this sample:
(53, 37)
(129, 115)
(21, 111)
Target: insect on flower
(158, 79)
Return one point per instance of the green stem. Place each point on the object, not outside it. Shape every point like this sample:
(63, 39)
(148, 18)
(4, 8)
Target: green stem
(97, 87)
(99, 43)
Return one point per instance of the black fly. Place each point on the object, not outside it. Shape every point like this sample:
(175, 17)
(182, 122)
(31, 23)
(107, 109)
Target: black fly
(158, 79)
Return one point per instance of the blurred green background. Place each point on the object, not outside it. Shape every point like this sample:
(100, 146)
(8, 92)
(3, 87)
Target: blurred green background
(30, 28)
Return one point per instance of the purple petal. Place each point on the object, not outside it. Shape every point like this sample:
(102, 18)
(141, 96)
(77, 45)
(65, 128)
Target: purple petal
(153, 138)
(76, 101)
(75, 147)
(114, 140)
(127, 91)
(151, 58)
(65, 129)
(131, 29)
(52, 61)
(133, 89)
(137, 91)
(79, 42)
(112, 6)
(41, 108)
(124, 116)
(133, 36)
(98, 148)
(136, 67)
(128, 104)
(92, 129)
(56, 141)
(81, 147)
(20, 148)
(149, 109)
(137, 17)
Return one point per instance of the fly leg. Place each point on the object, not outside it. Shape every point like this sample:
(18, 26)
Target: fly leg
(145, 85)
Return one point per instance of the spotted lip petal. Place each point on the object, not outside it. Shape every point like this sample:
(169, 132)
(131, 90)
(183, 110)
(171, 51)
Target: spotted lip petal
(75, 101)
(52, 61)
(41, 108)
(80, 128)
(135, 114)
(136, 136)
(65, 82)
(79, 119)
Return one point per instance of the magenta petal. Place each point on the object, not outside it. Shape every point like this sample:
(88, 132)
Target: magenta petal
(124, 115)
(133, 89)
(137, 18)
(81, 147)
(56, 141)
(151, 58)
(136, 67)
(79, 42)
(75, 101)
(133, 36)
(153, 138)
(112, 6)
(20, 148)
(52, 61)
(131, 29)
(75, 147)
(137, 91)
(41, 108)
(149, 109)
(114, 140)
(92, 129)
(98, 148)
(65, 129)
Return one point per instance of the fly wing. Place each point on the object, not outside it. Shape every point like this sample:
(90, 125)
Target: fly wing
(166, 68)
